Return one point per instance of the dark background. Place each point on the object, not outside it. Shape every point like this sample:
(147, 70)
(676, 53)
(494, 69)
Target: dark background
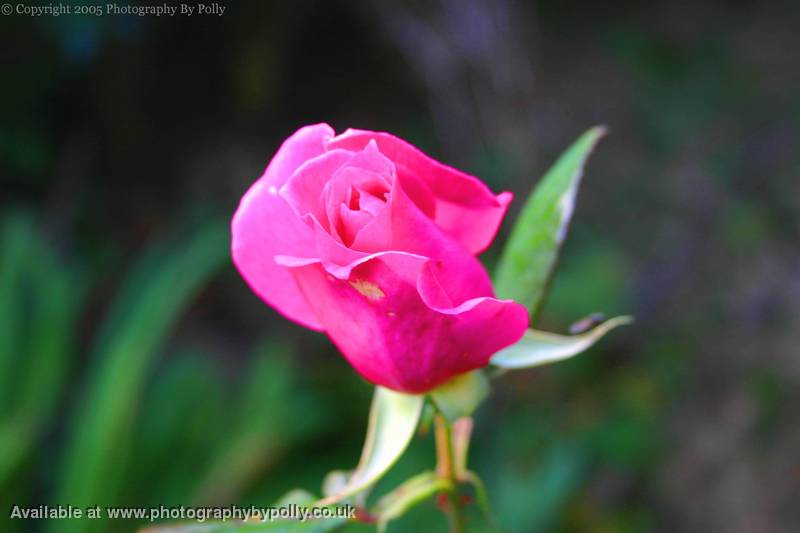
(125, 140)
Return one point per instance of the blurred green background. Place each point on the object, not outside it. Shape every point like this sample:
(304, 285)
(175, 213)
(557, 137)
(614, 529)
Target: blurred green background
(137, 368)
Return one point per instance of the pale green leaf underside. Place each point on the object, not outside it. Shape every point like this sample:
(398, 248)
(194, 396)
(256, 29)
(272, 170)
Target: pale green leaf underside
(461, 395)
(393, 419)
(532, 249)
(540, 348)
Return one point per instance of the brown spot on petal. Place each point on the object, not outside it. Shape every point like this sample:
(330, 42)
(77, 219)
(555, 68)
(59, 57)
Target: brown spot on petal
(368, 289)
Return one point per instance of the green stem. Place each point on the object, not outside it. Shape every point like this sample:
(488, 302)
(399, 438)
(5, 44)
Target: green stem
(445, 468)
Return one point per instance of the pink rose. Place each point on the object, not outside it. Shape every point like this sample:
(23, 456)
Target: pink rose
(366, 238)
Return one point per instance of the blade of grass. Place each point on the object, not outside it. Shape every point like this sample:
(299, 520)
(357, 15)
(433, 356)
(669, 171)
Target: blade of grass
(186, 398)
(155, 294)
(17, 232)
(272, 414)
(53, 292)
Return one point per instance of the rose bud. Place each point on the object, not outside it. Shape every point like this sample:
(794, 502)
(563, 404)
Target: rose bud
(366, 238)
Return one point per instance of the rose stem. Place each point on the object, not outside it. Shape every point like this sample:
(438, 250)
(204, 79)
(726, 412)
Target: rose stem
(445, 468)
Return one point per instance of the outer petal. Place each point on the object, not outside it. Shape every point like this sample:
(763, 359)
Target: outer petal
(265, 226)
(464, 206)
(380, 323)
(306, 143)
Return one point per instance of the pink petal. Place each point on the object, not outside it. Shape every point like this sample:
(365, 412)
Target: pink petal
(306, 143)
(265, 226)
(351, 222)
(370, 203)
(404, 227)
(392, 337)
(464, 206)
(303, 190)
(340, 189)
(370, 158)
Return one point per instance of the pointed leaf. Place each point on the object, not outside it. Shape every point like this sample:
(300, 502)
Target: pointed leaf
(539, 347)
(393, 419)
(531, 252)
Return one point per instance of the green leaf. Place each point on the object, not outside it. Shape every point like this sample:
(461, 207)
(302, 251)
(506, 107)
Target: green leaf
(393, 419)
(540, 348)
(530, 255)
(461, 395)
(155, 295)
(413, 491)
